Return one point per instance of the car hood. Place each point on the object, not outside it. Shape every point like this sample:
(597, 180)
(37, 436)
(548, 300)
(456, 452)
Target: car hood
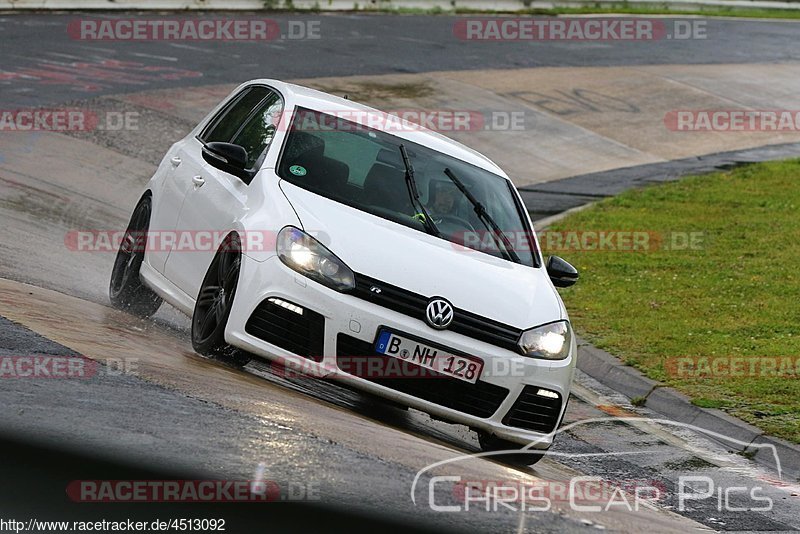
(513, 294)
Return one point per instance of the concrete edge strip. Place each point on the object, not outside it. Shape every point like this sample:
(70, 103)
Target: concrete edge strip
(613, 373)
(549, 202)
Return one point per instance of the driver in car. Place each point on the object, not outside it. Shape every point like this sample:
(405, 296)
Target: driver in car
(442, 200)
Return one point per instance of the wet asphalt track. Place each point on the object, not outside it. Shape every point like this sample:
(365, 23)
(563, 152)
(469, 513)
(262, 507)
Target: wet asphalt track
(40, 64)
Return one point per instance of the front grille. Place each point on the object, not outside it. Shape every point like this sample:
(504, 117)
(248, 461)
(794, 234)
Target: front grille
(277, 321)
(480, 399)
(413, 305)
(534, 412)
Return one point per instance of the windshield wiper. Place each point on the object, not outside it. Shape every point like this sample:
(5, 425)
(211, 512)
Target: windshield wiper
(413, 193)
(499, 237)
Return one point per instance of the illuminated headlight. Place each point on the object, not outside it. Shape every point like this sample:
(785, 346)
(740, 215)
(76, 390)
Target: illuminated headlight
(551, 341)
(309, 257)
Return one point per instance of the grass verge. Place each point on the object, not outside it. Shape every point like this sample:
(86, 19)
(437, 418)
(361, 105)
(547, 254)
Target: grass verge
(589, 8)
(710, 11)
(623, 8)
(709, 300)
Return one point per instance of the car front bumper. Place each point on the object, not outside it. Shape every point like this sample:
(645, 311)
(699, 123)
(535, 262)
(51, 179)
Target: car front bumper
(360, 320)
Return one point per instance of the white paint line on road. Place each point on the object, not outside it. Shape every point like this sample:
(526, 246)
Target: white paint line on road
(685, 437)
(164, 58)
(187, 47)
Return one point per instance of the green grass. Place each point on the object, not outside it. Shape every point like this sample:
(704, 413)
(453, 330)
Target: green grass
(623, 8)
(737, 294)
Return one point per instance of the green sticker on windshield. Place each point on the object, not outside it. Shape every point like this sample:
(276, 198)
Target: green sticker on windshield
(297, 170)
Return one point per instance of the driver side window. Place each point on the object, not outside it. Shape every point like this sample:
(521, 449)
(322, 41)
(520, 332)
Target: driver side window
(249, 121)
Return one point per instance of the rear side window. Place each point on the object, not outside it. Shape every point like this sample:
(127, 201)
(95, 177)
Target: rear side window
(226, 125)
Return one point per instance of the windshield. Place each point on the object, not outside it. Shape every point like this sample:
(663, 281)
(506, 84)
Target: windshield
(363, 168)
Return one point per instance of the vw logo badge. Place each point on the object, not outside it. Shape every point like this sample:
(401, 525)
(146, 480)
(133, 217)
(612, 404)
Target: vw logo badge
(439, 313)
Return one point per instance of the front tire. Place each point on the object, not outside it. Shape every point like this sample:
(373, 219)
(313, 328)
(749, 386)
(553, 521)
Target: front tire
(126, 290)
(215, 300)
(492, 443)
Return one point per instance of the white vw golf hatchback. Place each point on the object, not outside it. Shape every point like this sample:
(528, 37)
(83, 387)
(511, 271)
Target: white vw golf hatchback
(303, 228)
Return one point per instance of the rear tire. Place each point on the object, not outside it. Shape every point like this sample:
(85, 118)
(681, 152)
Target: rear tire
(126, 290)
(214, 303)
(492, 443)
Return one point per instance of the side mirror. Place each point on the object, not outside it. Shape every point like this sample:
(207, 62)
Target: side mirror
(229, 158)
(562, 274)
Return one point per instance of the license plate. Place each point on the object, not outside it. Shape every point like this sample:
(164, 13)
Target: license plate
(403, 348)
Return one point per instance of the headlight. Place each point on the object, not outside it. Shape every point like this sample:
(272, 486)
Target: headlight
(309, 257)
(551, 341)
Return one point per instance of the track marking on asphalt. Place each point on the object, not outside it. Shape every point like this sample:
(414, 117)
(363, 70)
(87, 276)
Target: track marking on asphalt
(671, 435)
(188, 47)
(616, 411)
(163, 58)
(580, 120)
(577, 120)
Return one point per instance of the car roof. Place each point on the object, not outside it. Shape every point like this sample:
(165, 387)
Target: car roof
(298, 95)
